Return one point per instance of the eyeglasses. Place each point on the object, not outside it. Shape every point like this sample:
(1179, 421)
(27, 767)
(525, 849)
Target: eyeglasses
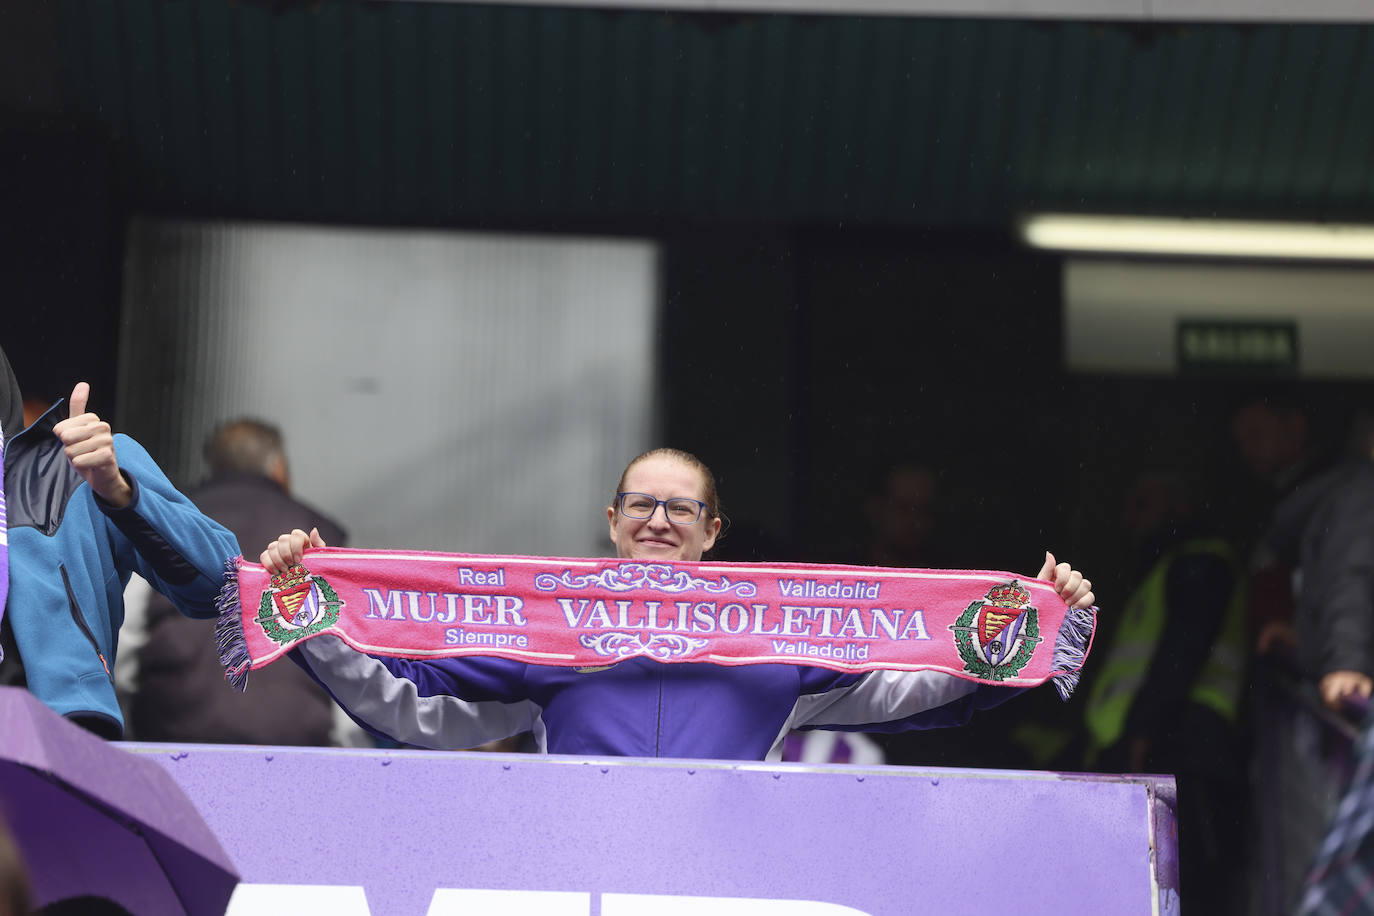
(680, 510)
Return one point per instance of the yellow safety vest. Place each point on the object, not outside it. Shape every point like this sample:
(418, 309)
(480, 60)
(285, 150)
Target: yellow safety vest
(1218, 684)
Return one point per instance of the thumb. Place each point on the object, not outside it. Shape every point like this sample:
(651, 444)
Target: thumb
(80, 393)
(1047, 571)
(315, 539)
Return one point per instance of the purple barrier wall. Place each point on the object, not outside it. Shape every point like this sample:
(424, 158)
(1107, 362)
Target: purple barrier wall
(886, 841)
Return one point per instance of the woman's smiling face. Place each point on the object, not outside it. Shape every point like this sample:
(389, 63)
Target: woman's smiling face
(656, 538)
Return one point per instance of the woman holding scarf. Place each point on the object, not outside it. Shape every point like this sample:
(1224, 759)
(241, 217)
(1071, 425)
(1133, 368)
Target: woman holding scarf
(665, 509)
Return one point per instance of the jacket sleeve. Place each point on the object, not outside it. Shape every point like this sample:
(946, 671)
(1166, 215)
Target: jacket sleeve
(1345, 625)
(441, 704)
(163, 537)
(893, 701)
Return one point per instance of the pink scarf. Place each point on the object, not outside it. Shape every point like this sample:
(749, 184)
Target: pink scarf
(992, 627)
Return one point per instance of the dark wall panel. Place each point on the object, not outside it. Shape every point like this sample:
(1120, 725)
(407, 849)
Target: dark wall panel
(59, 260)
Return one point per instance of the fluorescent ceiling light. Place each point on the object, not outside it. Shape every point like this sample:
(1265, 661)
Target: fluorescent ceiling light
(1201, 237)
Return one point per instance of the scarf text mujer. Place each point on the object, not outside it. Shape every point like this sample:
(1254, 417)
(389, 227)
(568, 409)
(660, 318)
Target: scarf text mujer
(992, 627)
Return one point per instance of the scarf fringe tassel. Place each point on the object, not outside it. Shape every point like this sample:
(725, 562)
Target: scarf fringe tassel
(233, 647)
(1071, 648)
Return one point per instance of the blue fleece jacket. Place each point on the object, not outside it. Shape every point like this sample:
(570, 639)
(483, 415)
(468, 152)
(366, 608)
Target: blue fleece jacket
(71, 554)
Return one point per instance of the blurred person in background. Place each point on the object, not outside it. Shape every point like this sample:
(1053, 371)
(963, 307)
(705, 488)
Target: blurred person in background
(1327, 528)
(1325, 531)
(902, 517)
(902, 512)
(179, 692)
(1292, 780)
(86, 510)
(1274, 437)
(1273, 434)
(1166, 696)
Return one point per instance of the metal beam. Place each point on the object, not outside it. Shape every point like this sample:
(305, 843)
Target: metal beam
(1310, 11)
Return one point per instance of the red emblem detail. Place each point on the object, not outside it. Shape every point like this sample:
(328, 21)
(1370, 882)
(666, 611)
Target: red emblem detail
(991, 623)
(292, 588)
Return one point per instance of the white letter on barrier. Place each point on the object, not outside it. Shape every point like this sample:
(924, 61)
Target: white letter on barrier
(473, 902)
(294, 899)
(673, 905)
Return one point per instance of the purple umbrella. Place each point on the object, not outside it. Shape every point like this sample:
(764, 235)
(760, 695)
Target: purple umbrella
(91, 819)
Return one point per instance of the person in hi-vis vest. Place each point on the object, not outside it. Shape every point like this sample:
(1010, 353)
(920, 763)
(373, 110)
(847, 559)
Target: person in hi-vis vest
(1165, 696)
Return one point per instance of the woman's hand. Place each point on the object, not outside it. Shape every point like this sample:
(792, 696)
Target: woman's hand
(1073, 588)
(288, 550)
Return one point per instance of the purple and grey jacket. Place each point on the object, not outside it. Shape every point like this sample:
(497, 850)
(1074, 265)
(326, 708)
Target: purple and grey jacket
(639, 707)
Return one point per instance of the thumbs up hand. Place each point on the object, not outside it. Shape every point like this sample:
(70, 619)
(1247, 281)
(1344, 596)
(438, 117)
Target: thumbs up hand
(89, 446)
(1073, 588)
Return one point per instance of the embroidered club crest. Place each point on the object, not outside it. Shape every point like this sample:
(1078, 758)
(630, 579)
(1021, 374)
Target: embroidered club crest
(297, 605)
(997, 634)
